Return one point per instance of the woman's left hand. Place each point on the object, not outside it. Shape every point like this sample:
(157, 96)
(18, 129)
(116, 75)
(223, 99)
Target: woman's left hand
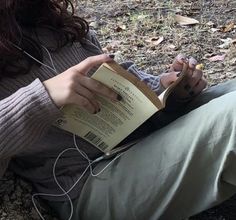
(191, 85)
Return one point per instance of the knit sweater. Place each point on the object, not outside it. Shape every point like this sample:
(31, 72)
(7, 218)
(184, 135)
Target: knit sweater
(27, 137)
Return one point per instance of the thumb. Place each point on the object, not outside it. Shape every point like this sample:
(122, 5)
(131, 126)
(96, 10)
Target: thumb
(168, 78)
(178, 63)
(86, 65)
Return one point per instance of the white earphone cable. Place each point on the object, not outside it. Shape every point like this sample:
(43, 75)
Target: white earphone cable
(83, 154)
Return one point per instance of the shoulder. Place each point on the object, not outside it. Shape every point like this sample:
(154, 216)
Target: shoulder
(92, 37)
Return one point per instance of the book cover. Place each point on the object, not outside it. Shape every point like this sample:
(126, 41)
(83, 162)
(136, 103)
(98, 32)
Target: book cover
(116, 120)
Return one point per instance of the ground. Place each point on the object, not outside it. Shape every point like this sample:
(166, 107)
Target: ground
(146, 31)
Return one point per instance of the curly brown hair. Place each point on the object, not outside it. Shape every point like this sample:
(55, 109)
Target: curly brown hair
(16, 16)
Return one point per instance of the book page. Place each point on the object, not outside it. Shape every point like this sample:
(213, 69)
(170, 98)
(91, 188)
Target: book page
(116, 120)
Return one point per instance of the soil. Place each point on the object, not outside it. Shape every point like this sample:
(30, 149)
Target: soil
(146, 32)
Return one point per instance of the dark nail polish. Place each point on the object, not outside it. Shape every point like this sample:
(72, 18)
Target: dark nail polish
(185, 60)
(112, 56)
(119, 97)
(187, 87)
(178, 74)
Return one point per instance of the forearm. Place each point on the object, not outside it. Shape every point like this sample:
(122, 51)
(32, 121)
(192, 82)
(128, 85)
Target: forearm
(24, 117)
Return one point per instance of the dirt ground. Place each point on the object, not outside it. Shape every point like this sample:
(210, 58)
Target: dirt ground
(132, 29)
(146, 31)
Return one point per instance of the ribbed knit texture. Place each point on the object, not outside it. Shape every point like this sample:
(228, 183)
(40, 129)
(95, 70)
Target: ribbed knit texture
(27, 113)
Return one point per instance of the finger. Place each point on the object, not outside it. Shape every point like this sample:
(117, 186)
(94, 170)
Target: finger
(83, 103)
(168, 78)
(85, 66)
(192, 63)
(196, 77)
(82, 91)
(99, 88)
(202, 84)
(177, 65)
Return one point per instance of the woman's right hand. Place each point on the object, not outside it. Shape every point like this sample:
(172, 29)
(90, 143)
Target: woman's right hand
(74, 86)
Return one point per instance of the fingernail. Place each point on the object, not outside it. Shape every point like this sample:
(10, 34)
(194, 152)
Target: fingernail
(187, 87)
(193, 66)
(185, 60)
(193, 61)
(112, 56)
(119, 97)
(182, 57)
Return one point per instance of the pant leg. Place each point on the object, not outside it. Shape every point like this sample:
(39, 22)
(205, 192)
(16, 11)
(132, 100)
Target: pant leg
(177, 171)
(163, 118)
(212, 93)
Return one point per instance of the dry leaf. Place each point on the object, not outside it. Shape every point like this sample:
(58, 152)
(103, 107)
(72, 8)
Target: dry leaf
(111, 47)
(227, 43)
(213, 30)
(210, 23)
(229, 27)
(185, 20)
(120, 28)
(171, 47)
(154, 41)
(94, 24)
(217, 58)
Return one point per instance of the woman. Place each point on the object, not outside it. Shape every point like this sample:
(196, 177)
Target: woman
(46, 57)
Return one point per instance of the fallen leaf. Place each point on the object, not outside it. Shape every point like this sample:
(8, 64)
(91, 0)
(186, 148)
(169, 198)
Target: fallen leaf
(120, 28)
(185, 20)
(226, 43)
(208, 55)
(217, 58)
(210, 23)
(171, 46)
(111, 47)
(142, 17)
(154, 41)
(94, 24)
(213, 30)
(227, 28)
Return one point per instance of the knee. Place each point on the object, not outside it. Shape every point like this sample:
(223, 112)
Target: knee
(225, 104)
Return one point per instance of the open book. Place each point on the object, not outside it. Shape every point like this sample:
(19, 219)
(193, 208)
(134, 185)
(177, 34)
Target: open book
(116, 120)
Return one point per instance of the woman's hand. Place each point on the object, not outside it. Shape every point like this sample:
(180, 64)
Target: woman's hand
(192, 85)
(74, 86)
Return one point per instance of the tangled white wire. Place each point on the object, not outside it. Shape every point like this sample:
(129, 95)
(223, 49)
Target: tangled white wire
(90, 162)
(66, 193)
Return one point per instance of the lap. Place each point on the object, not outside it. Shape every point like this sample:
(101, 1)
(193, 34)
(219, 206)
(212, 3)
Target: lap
(165, 172)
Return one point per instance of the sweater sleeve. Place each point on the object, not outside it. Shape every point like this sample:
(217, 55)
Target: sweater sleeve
(91, 36)
(24, 117)
(151, 80)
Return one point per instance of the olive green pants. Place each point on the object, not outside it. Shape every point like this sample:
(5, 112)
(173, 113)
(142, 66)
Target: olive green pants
(179, 170)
